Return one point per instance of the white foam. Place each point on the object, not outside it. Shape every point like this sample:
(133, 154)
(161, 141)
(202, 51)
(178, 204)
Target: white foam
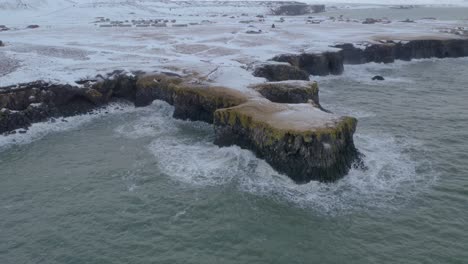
(152, 121)
(193, 159)
(42, 129)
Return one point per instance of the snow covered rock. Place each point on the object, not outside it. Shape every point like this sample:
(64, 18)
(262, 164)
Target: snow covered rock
(299, 140)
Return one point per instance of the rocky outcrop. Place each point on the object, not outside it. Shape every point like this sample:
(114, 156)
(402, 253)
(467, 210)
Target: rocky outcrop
(191, 101)
(25, 104)
(29, 103)
(332, 62)
(1, 44)
(280, 72)
(289, 92)
(415, 49)
(315, 63)
(297, 9)
(299, 140)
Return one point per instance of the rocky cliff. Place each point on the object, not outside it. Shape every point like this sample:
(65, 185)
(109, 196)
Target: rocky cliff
(299, 140)
(332, 62)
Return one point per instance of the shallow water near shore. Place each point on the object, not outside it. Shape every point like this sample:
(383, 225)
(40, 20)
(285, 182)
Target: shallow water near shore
(127, 185)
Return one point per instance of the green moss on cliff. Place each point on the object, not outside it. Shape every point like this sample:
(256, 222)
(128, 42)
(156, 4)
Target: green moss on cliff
(270, 134)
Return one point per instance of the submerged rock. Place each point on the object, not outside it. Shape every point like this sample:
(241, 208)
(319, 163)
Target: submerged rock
(299, 140)
(280, 72)
(378, 78)
(290, 92)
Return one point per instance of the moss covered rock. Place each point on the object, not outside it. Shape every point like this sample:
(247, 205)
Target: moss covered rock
(290, 92)
(299, 140)
(200, 102)
(155, 86)
(191, 101)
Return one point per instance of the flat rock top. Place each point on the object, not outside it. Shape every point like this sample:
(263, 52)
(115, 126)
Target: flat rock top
(296, 117)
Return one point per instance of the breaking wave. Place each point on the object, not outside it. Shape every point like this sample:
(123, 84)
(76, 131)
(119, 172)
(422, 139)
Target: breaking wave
(184, 152)
(39, 130)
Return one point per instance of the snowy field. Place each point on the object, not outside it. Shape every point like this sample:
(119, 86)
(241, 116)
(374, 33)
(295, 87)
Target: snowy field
(221, 41)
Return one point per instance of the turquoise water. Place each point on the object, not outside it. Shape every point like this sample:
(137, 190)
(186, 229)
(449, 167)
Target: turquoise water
(136, 186)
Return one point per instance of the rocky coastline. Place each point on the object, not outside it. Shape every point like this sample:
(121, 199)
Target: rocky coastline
(283, 123)
(332, 62)
(316, 145)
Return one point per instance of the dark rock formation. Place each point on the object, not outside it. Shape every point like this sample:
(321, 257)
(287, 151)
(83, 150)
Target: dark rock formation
(294, 141)
(315, 64)
(1, 43)
(332, 62)
(34, 102)
(280, 72)
(32, 26)
(289, 92)
(297, 9)
(378, 78)
(415, 49)
(297, 139)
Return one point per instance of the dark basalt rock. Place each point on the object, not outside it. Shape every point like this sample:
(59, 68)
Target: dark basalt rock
(280, 72)
(322, 152)
(297, 9)
(332, 62)
(1, 44)
(289, 92)
(33, 102)
(378, 78)
(315, 64)
(415, 49)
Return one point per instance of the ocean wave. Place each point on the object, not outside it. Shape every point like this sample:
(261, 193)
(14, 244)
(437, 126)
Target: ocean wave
(192, 158)
(39, 130)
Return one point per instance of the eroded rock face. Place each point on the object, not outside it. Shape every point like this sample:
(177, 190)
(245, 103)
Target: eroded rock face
(25, 104)
(289, 92)
(299, 140)
(280, 72)
(191, 101)
(320, 64)
(34, 102)
(199, 103)
(415, 49)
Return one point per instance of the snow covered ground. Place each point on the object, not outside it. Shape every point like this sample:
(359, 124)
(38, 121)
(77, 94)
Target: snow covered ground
(73, 40)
